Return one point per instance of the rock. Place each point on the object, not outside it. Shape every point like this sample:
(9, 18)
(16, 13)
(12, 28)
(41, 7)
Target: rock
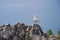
(20, 31)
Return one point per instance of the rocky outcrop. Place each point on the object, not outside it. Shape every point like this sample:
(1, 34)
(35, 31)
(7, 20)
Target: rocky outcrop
(20, 31)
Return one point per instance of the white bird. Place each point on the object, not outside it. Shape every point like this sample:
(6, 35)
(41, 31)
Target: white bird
(35, 19)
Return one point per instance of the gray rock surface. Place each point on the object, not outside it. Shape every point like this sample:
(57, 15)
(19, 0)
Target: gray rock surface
(20, 31)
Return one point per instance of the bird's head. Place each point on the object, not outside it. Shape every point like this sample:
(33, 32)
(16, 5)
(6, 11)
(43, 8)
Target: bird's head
(33, 16)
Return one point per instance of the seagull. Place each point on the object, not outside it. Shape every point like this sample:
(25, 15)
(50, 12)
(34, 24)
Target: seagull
(35, 19)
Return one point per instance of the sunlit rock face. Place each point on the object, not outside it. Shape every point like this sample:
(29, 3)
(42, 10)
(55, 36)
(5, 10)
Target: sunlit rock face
(34, 32)
(20, 31)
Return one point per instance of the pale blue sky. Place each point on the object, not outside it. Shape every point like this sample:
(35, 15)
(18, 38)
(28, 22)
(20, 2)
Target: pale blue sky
(47, 11)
